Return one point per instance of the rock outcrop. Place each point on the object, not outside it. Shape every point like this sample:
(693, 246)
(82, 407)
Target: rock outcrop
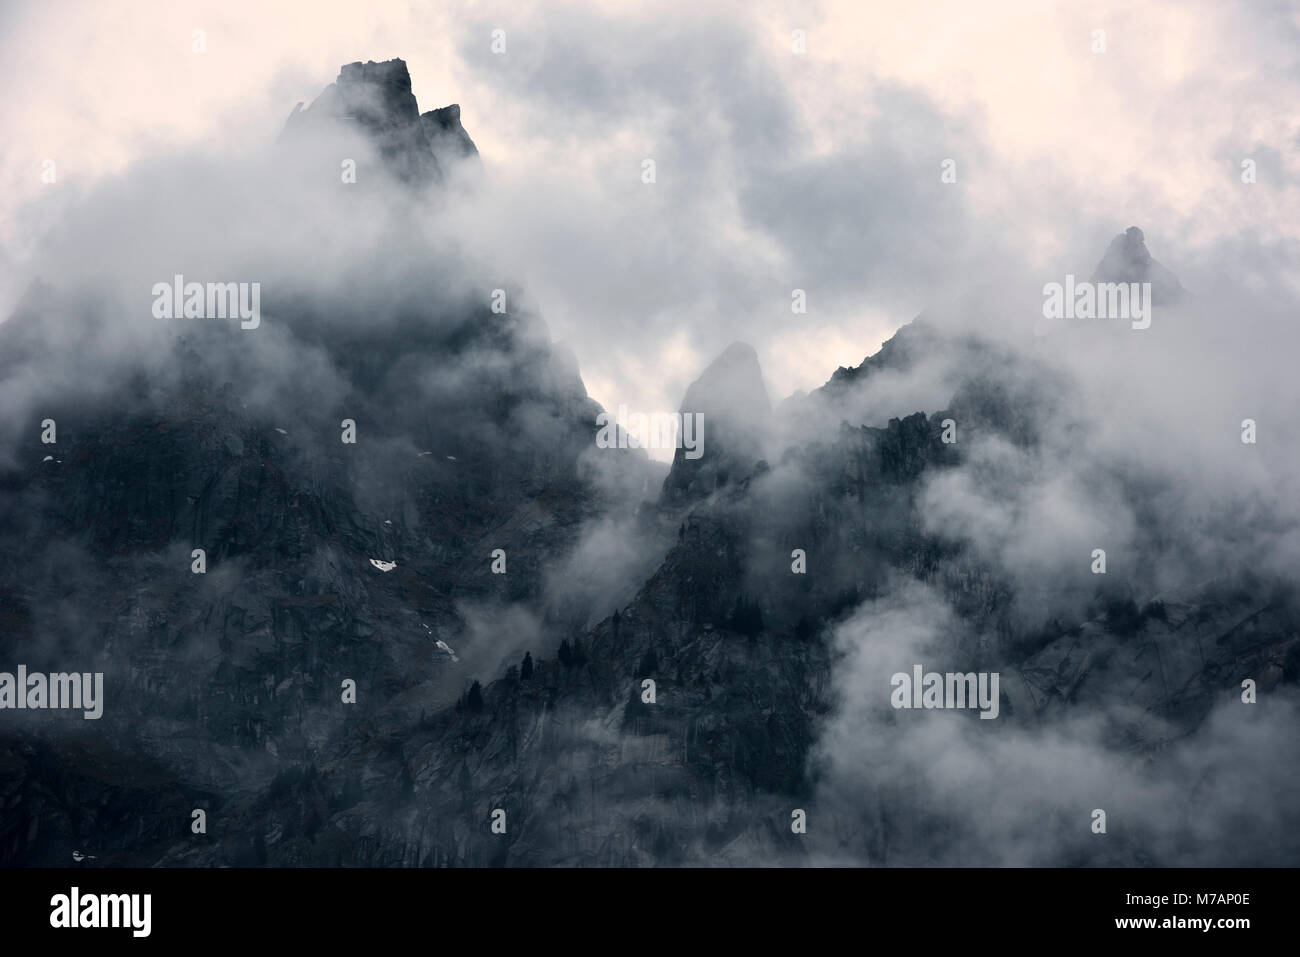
(730, 404)
(1127, 259)
(376, 99)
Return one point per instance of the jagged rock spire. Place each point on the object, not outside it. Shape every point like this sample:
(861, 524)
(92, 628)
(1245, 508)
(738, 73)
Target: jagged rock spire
(376, 98)
(1127, 259)
(733, 401)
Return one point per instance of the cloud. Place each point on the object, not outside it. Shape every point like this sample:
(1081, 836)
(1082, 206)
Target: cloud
(775, 171)
(940, 787)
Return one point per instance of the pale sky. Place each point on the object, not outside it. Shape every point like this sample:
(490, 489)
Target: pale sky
(776, 169)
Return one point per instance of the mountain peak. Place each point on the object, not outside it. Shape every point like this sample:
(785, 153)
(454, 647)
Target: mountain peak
(731, 386)
(376, 93)
(1128, 251)
(445, 133)
(376, 98)
(1127, 259)
(738, 351)
(735, 410)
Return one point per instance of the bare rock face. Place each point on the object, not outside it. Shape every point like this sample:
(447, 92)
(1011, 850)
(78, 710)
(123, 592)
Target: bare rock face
(376, 99)
(377, 95)
(446, 135)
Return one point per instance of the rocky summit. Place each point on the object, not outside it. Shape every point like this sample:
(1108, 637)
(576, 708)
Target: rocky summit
(406, 650)
(376, 99)
(1127, 259)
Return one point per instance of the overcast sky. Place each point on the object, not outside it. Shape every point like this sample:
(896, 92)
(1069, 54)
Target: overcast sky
(775, 170)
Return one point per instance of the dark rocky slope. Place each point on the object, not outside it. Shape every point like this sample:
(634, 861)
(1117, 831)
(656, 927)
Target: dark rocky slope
(225, 687)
